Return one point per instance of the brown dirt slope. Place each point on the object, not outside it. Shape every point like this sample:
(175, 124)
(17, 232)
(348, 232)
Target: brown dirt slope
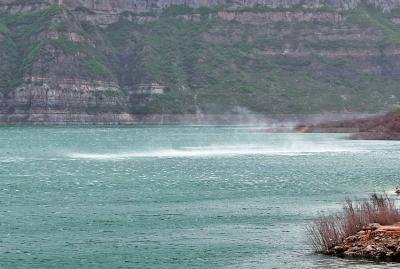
(383, 127)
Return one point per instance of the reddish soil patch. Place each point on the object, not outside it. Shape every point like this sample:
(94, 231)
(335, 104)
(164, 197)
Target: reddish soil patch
(373, 242)
(384, 127)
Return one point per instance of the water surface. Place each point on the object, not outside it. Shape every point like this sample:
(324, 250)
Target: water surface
(178, 197)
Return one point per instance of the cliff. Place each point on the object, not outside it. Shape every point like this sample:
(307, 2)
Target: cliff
(152, 5)
(72, 61)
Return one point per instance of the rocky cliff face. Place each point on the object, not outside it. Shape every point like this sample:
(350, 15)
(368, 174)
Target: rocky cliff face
(151, 5)
(105, 61)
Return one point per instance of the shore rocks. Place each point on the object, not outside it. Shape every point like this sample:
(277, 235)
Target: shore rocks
(382, 127)
(373, 242)
(386, 127)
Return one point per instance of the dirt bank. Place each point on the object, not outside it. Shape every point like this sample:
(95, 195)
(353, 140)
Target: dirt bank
(381, 127)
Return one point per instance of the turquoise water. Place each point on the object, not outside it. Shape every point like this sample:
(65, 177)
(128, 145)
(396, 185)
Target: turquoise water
(178, 197)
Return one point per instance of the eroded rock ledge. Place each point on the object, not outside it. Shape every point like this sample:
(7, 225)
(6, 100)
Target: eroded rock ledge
(374, 242)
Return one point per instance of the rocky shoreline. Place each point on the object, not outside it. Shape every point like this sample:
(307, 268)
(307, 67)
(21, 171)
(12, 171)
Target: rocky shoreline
(363, 229)
(374, 242)
(380, 127)
(68, 118)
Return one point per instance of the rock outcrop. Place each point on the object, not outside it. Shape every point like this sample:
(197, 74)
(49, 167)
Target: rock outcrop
(150, 5)
(375, 242)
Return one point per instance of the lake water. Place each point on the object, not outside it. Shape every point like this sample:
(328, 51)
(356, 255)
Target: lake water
(178, 196)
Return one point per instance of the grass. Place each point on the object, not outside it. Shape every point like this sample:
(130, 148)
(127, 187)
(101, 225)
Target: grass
(367, 16)
(97, 69)
(27, 2)
(294, 8)
(328, 231)
(30, 56)
(3, 28)
(67, 46)
(176, 10)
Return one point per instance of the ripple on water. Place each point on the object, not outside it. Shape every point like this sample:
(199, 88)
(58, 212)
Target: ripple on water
(178, 196)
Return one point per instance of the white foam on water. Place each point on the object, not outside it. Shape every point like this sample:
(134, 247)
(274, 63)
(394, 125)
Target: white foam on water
(213, 151)
(11, 159)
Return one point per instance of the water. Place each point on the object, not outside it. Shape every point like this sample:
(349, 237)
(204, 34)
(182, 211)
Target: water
(178, 197)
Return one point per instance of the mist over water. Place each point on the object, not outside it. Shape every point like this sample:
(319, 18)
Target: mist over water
(219, 151)
(178, 196)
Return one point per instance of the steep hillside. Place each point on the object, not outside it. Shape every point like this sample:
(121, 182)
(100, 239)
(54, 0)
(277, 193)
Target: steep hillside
(105, 61)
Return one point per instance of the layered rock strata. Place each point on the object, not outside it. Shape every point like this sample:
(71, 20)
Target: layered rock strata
(71, 57)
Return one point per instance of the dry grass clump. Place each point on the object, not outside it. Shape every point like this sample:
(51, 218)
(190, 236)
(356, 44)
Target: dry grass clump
(328, 231)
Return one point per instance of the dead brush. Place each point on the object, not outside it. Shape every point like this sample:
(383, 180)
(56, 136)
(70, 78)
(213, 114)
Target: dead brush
(328, 231)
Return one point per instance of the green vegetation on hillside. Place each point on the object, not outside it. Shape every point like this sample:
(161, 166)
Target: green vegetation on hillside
(97, 69)
(211, 65)
(366, 16)
(3, 28)
(223, 71)
(26, 41)
(19, 49)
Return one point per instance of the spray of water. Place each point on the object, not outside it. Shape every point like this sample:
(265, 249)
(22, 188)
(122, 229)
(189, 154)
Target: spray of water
(214, 151)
